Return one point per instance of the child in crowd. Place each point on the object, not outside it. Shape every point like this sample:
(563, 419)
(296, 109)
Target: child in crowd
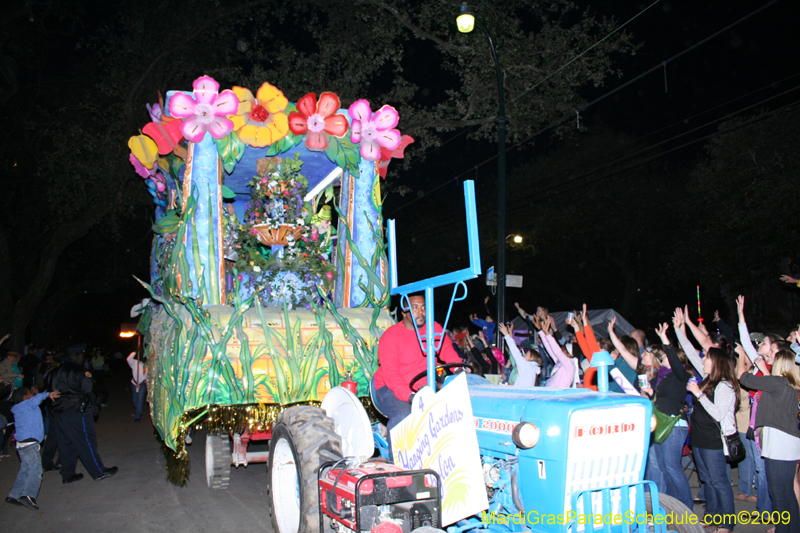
(487, 326)
(29, 435)
(528, 366)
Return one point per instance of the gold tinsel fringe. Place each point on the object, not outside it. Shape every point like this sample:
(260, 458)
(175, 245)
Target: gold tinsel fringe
(228, 419)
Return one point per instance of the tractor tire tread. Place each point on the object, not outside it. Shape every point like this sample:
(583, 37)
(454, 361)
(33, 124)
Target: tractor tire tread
(315, 442)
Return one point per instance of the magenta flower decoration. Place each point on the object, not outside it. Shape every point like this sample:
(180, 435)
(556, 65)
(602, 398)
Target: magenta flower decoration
(206, 112)
(373, 131)
(153, 174)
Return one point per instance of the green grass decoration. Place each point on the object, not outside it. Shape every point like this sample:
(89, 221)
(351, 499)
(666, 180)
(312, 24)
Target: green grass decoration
(193, 373)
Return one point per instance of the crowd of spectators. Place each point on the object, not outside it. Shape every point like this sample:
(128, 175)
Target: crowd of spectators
(49, 402)
(725, 389)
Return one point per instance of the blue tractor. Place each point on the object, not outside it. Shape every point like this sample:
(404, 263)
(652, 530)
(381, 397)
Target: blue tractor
(554, 460)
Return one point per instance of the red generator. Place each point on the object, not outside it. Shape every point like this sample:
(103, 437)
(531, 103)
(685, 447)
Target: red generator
(361, 497)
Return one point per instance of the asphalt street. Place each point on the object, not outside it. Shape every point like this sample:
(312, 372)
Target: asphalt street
(139, 498)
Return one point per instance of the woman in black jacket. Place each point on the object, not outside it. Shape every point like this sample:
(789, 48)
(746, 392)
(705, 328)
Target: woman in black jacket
(670, 395)
(780, 439)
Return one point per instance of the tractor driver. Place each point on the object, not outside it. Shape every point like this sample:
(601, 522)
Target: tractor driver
(400, 359)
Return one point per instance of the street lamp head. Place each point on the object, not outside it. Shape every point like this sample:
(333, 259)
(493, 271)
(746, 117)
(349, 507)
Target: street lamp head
(517, 239)
(465, 20)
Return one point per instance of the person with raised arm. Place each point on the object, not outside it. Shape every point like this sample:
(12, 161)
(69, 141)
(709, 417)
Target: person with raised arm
(763, 352)
(679, 324)
(670, 393)
(588, 344)
(777, 418)
(564, 373)
(628, 350)
(713, 417)
(528, 365)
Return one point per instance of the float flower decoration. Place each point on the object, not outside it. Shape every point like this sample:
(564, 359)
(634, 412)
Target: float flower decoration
(207, 111)
(374, 130)
(387, 155)
(318, 120)
(156, 183)
(260, 120)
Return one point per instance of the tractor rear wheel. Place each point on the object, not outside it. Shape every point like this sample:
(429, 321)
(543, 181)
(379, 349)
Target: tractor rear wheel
(218, 462)
(303, 439)
(679, 511)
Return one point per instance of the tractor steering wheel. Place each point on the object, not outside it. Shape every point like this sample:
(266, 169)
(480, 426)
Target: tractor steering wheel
(439, 379)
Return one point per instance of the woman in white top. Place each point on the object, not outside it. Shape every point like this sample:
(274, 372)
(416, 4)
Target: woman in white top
(713, 417)
(528, 368)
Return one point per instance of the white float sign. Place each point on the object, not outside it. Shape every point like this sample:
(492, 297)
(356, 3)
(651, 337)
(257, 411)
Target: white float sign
(440, 434)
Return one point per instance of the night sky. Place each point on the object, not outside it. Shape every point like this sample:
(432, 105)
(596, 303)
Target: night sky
(754, 64)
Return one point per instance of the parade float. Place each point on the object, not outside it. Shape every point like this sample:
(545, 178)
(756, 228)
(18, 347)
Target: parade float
(268, 270)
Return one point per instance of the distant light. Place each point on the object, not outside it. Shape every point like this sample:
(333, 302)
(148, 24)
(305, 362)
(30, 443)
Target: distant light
(466, 20)
(517, 239)
(128, 330)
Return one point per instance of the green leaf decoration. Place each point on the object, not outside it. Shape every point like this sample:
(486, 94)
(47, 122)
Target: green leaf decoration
(168, 223)
(284, 145)
(343, 154)
(329, 194)
(175, 165)
(231, 150)
(288, 142)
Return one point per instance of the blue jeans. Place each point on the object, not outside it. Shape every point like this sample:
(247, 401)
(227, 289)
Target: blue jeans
(138, 399)
(393, 408)
(669, 455)
(764, 503)
(653, 471)
(390, 405)
(747, 467)
(29, 479)
(718, 493)
(780, 476)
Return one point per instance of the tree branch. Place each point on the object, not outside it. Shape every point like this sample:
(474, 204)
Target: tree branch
(226, 13)
(416, 29)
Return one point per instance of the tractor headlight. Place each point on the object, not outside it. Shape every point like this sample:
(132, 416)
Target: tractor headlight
(653, 423)
(525, 435)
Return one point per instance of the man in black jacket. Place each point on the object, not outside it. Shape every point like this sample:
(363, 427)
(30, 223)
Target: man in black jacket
(73, 415)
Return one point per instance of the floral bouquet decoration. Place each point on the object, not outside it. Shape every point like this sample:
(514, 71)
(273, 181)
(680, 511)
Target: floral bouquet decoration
(278, 250)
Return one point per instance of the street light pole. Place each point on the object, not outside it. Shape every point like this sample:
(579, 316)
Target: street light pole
(465, 22)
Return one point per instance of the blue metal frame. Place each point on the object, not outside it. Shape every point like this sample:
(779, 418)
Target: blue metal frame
(458, 277)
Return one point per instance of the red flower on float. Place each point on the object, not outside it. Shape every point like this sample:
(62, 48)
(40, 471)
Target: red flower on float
(317, 120)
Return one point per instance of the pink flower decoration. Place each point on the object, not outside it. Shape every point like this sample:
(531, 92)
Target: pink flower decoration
(374, 131)
(317, 120)
(206, 111)
(329, 275)
(152, 173)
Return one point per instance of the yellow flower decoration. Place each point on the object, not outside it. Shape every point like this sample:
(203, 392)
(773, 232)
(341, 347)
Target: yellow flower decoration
(261, 120)
(144, 149)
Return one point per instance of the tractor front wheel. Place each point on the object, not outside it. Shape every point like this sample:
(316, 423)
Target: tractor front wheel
(303, 439)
